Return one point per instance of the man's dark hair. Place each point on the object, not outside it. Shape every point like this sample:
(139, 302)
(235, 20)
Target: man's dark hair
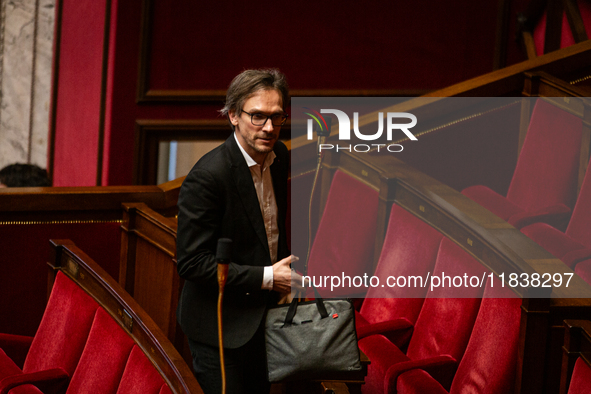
(24, 175)
(248, 82)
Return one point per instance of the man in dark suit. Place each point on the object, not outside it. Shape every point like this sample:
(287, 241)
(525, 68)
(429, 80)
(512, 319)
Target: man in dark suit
(237, 191)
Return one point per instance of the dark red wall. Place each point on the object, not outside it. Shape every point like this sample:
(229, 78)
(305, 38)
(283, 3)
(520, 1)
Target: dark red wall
(187, 52)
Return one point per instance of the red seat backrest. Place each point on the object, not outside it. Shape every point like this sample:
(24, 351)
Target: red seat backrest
(578, 227)
(345, 239)
(410, 248)
(488, 366)
(140, 376)
(104, 359)
(581, 378)
(547, 168)
(445, 324)
(63, 331)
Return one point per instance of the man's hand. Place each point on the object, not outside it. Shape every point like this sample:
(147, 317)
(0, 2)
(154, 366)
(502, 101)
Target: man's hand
(282, 274)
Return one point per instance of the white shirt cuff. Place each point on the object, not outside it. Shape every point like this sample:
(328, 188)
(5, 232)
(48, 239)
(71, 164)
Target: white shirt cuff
(267, 278)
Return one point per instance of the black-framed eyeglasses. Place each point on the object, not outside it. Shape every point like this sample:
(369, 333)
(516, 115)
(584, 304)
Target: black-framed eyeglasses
(260, 119)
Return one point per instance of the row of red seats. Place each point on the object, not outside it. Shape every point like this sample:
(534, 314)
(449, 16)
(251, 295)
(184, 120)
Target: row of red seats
(78, 348)
(475, 336)
(543, 189)
(405, 331)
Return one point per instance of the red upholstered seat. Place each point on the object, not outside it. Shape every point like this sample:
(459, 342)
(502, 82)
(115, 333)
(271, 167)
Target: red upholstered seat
(566, 35)
(410, 248)
(581, 378)
(441, 332)
(574, 245)
(62, 334)
(345, 239)
(544, 184)
(488, 366)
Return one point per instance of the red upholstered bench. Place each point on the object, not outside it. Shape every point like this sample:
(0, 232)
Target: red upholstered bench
(93, 337)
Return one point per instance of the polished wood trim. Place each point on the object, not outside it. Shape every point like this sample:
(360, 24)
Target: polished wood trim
(575, 20)
(145, 52)
(147, 235)
(149, 133)
(529, 44)
(81, 269)
(83, 203)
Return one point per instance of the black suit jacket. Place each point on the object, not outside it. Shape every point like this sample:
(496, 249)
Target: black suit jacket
(218, 199)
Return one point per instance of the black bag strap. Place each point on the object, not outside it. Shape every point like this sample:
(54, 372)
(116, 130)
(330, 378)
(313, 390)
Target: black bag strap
(294, 305)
